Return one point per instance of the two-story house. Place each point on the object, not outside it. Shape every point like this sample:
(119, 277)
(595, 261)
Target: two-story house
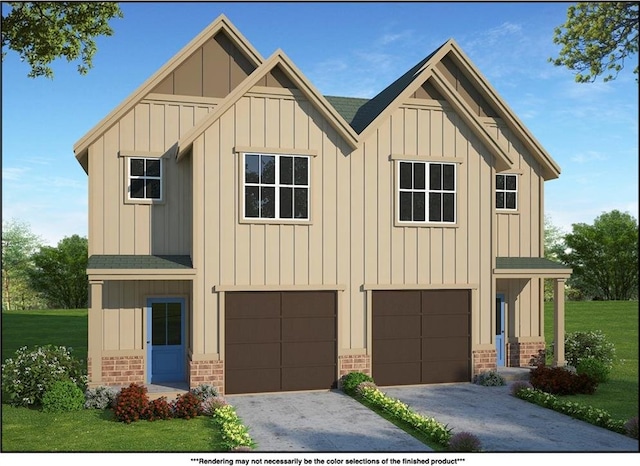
(248, 232)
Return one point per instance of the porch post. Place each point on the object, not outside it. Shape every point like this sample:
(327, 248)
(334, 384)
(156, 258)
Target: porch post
(558, 322)
(94, 353)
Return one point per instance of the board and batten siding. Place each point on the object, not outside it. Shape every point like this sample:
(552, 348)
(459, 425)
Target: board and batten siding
(120, 227)
(123, 304)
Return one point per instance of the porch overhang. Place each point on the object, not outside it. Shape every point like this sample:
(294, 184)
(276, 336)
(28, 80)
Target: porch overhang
(102, 267)
(529, 267)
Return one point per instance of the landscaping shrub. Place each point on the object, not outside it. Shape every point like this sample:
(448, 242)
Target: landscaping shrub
(212, 403)
(631, 427)
(31, 373)
(579, 346)
(595, 369)
(204, 391)
(132, 404)
(464, 441)
(351, 380)
(519, 385)
(363, 386)
(64, 395)
(235, 435)
(186, 406)
(100, 397)
(559, 381)
(489, 379)
(158, 409)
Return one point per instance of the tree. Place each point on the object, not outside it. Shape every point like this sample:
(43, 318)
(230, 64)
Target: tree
(597, 38)
(553, 241)
(60, 273)
(18, 245)
(604, 256)
(41, 32)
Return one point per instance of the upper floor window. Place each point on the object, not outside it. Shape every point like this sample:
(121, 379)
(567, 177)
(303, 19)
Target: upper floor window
(507, 192)
(427, 192)
(276, 186)
(145, 178)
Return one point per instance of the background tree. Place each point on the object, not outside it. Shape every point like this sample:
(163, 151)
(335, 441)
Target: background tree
(41, 32)
(597, 38)
(604, 256)
(18, 245)
(60, 273)
(553, 243)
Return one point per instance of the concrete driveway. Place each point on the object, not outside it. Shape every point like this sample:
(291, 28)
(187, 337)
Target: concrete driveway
(318, 421)
(331, 421)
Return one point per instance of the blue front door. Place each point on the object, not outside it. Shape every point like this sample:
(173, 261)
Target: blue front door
(166, 335)
(500, 330)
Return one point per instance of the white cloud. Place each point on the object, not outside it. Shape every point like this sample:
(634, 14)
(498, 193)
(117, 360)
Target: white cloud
(589, 156)
(13, 173)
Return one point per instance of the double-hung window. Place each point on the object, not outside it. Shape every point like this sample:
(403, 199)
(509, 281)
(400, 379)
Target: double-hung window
(507, 192)
(276, 186)
(145, 178)
(427, 192)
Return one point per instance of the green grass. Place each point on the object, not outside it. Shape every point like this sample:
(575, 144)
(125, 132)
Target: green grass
(618, 320)
(31, 430)
(92, 430)
(59, 327)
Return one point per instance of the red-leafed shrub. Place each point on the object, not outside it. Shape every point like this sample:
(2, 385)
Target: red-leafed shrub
(159, 409)
(132, 404)
(186, 406)
(560, 381)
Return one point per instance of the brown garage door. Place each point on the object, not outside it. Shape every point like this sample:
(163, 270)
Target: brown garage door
(280, 341)
(421, 336)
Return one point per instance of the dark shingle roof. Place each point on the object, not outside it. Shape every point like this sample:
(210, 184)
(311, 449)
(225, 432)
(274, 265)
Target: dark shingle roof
(116, 261)
(347, 107)
(527, 263)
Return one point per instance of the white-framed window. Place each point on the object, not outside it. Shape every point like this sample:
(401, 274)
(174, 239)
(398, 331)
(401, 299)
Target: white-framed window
(276, 186)
(426, 192)
(507, 192)
(144, 178)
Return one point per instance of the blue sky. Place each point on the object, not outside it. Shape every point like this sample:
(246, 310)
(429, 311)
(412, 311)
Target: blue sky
(354, 50)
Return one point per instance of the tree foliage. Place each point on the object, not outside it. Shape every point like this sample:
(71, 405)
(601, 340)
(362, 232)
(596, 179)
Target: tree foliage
(597, 38)
(604, 256)
(41, 32)
(18, 246)
(60, 273)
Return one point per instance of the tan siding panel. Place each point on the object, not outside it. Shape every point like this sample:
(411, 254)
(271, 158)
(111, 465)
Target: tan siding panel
(188, 76)
(112, 194)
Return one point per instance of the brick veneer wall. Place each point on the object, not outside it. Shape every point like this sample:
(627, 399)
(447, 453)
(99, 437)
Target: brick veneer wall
(122, 370)
(483, 360)
(209, 372)
(524, 354)
(354, 363)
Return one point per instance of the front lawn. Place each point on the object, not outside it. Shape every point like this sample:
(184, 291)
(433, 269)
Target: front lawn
(618, 320)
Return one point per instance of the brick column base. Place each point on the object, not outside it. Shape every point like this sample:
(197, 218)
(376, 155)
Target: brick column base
(207, 372)
(524, 354)
(354, 363)
(122, 370)
(483, 360)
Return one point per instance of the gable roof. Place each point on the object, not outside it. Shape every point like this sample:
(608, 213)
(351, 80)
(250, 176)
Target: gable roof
(221, 23)
(281, 61)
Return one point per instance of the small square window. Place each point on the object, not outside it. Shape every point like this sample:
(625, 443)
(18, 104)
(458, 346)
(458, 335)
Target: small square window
(507, 192)
(145, 179)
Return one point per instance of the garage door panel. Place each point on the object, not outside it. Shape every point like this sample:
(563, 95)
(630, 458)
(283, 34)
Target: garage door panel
(434, 349)
(308, 303)
(445, 325)
(250, 355)
(252, 381)
(445, 302)
(396, 302)
(252, 330)
(407, 373)
(308, 353)
(308, 378)
(309, 329)
(445, 371)
(396, 351)
(396, 327)
(239, 305)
